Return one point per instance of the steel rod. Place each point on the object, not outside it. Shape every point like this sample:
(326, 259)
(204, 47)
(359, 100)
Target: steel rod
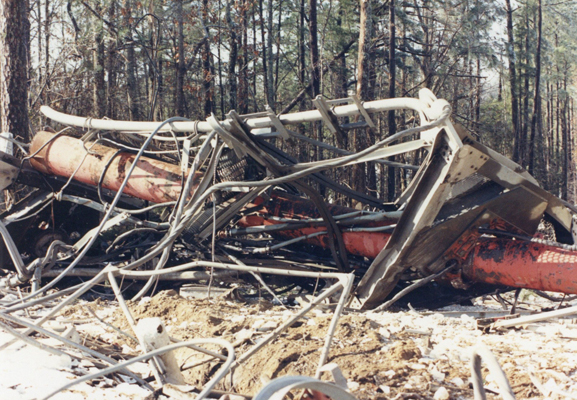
(527, 319)
(14, 253)
(154, 363)
(347, 286)
(78, 346)
(274, 334)
(259, 122)
(176, 276)
(482, 352)
(208, 387)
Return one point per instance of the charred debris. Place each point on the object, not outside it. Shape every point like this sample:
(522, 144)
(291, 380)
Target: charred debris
(209, 201)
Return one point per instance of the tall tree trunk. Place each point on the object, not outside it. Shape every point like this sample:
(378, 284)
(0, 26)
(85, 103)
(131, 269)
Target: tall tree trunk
(264, 57)
(13, 68)
(269, 60)
(111, 109)
(537, 98)
(314, 50)
(523, 141)
(315, 69)
(340, 89)
(277, 57)
(557, 124)
(254, 62)
(391, 181)
(206, 69)
(180, 107)
(130, 67)
(47, 22)
(232, 59)
(27, 39)
(219, 63)
(156, 93)
(302, 73)
(570, 147)
(405, 177)
(471, 91)
(153, 76)
(513, 83)
(159, 106)
(425, 63)
(478, 94)
(500, 88)
(243, 96)
(98, 84)
(565, 139)
(302, 68)
(363, 71)
(549, 135)
(39, 37)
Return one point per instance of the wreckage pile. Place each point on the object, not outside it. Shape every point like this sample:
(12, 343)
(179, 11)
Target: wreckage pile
(131, 206)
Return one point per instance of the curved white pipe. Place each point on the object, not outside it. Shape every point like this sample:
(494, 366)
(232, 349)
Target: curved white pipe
(427, 111)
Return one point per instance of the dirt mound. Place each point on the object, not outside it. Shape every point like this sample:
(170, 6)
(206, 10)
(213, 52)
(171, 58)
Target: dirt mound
(382, 355)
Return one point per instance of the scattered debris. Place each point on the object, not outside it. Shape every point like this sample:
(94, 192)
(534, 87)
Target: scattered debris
(219, 203)
(363, 354)
(527, 319)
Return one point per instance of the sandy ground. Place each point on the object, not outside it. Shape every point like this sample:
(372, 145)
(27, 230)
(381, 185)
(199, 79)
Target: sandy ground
(385, 355)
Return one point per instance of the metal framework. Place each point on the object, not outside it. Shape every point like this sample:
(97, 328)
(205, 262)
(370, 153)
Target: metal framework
(231, 199)
(461, 188)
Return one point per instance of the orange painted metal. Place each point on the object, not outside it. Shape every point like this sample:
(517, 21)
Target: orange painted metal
(365, 244)
(151, 180)
(506, 262)
(522, 264)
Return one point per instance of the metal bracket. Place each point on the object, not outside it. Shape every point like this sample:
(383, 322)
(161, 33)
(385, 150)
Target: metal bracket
(225, 135)
(88, 136)
(363, 111)
(185, 154)
(323, 108)
(277, 123)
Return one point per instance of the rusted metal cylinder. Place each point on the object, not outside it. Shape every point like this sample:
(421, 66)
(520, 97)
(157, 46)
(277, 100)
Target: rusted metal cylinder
(151, 180)
(504, 262)
(523, 264)
(159, 182)
(365, 244)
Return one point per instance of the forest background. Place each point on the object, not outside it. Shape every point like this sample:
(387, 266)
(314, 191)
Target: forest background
(506, 67)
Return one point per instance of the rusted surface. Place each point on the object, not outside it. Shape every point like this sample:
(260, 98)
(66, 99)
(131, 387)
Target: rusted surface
(462, 191)
(461, 249)
(495, 261)
(364, 244)
(523, 264)
(152, 180)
